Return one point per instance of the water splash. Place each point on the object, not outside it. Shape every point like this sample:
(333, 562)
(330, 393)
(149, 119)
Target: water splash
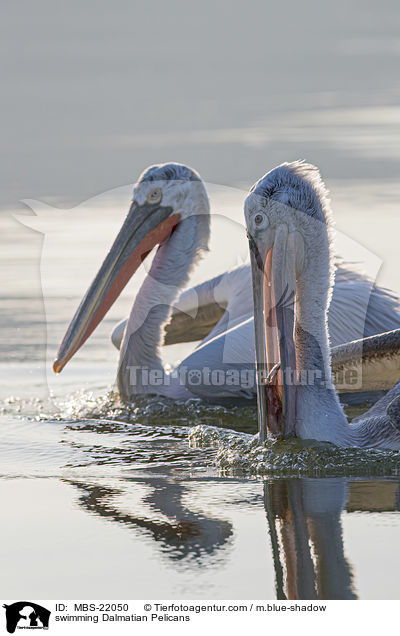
(149, 410)
(242, 454)
(157, 431)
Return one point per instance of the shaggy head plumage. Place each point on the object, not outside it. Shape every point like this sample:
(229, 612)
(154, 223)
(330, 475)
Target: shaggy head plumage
(169, 172)
(297, 185)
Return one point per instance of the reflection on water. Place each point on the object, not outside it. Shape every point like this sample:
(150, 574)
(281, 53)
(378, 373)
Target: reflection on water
(307, 539)
(178, 531)
(198, 528)
(303, 523)
(305, 527)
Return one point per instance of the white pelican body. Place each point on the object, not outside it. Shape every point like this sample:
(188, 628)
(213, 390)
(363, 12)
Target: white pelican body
(219, 313)
(289, 227)
(170, 208)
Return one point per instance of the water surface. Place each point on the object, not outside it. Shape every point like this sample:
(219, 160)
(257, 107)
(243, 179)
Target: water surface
(109, 501)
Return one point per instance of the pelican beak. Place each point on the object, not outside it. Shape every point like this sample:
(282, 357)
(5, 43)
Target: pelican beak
(273, 267)
(145, 226)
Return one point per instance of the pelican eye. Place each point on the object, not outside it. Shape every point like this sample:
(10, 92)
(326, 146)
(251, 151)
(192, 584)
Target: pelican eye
(258, 219)
(154, 196)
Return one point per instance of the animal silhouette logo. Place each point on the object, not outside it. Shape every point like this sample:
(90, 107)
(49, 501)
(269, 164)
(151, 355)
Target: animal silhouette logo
(194, 377)
(26, 615)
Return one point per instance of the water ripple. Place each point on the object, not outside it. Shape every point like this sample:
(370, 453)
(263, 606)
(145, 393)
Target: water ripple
(242, 454)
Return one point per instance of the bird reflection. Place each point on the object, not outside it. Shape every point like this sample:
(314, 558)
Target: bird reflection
(304, 522)
(304, 519)
(179, 531)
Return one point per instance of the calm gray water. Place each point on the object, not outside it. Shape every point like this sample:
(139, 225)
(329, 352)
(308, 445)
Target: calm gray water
(105, 501)
(113, 502)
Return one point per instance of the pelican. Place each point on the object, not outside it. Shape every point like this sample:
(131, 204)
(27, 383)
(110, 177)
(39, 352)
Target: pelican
(289, 226)
(219, 313)
(170, 208)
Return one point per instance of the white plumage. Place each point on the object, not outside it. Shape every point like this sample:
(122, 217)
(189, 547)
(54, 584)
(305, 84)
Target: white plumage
(220, 312)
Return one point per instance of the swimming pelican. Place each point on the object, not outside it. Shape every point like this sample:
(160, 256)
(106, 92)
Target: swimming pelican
(219, 313)
(289, 224)
(170, 208)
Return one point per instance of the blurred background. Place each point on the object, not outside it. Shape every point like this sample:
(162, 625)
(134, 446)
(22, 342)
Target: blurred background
(93, 92)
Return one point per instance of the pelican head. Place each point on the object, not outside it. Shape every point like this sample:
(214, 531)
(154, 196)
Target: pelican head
(288, 225)
(164, 196)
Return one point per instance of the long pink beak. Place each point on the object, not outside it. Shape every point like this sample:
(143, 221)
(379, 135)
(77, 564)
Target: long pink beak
(144, 227)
